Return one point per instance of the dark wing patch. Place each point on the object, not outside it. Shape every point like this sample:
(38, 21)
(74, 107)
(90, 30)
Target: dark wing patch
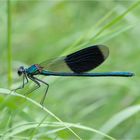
(87, 59)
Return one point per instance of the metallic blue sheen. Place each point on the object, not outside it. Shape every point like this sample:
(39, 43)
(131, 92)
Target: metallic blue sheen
(121, 74)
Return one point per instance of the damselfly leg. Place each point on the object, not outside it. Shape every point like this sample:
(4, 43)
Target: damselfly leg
(41, 81)
(34, 88)
(23, 83)
(37, 82)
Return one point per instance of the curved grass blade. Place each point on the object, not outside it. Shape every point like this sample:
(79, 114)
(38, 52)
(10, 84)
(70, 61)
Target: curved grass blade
(118, 119)
(8, 92)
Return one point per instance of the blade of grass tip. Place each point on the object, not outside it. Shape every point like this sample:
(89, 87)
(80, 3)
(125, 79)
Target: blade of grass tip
(9, 46)
(118, 119)
(115, 20)
(8, 92)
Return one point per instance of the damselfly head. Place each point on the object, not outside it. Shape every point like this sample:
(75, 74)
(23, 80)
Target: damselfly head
(21, 70)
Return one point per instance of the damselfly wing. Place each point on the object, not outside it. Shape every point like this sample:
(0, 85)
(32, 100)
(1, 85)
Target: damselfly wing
(78, 62)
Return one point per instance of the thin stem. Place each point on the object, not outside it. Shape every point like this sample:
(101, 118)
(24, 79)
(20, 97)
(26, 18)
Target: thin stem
(9, 46)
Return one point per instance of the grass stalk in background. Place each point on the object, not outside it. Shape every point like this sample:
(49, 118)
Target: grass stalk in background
(117, 19)
(118, 119)
(9, 46)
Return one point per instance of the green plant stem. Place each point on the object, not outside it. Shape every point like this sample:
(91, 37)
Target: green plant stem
(9, 46)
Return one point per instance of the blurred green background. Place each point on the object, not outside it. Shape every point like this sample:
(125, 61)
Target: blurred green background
(44, 29)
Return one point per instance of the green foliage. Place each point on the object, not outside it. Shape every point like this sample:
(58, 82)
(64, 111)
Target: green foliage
(83, 108)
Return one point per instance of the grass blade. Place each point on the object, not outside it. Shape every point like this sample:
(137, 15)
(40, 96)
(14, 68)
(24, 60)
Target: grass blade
(9, 46)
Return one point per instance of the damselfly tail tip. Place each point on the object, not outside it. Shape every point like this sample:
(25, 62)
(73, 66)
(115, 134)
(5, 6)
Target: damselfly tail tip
(133, 74)
(130, 74)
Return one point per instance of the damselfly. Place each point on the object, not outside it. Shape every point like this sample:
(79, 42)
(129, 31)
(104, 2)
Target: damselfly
(75, 64)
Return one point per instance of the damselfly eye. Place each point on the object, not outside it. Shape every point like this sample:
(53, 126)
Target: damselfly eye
(20, 71)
